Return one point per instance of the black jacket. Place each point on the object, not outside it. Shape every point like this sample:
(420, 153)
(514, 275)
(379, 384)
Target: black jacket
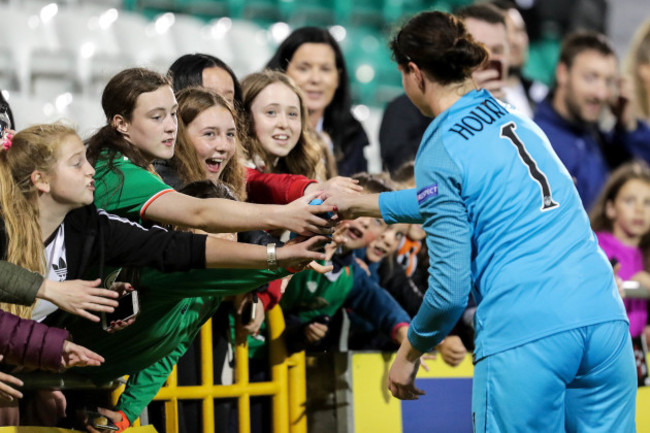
(94, 238)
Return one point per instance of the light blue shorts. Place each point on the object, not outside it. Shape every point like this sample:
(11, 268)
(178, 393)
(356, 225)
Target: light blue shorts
(582, 380)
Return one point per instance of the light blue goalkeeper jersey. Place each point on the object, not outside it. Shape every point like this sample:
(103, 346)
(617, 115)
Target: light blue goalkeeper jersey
(503, 218)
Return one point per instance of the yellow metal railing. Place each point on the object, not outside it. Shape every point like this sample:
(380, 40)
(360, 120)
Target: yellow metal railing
(286, 387)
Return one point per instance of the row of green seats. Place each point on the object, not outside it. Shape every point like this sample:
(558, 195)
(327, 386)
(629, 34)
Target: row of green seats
(379, 14)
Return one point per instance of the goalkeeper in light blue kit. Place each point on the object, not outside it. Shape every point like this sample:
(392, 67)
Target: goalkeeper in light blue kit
(504, 220)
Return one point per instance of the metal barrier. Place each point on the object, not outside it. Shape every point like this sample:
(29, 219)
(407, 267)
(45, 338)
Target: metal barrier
(286, 387)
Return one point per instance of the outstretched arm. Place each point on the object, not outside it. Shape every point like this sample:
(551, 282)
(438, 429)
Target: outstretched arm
(216, 215)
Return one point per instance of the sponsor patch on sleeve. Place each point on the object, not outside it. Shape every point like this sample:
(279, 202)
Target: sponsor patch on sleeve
(427, 192)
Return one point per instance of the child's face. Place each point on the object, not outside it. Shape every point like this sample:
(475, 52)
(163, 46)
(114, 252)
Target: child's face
(276, 113)
(361, 232)
(70, 181)
(386, 243)
(213, 135)
(153, 124)
(630, 211)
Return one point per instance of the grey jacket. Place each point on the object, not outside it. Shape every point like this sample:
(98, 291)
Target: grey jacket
(18, 285)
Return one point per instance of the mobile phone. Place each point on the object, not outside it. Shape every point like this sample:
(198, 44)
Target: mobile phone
(496, 65)
(100, 422)
(249, 311)
(128, 307)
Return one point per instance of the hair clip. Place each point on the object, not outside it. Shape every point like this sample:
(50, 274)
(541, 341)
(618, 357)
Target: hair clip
(6, 140)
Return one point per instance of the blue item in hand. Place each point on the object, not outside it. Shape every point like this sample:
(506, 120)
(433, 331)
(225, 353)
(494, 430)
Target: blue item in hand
(324, 215)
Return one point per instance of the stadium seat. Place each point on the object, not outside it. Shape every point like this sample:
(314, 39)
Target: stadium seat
(300, 13)
(263, 12)
(361, 13)
(34, 44)
(88, 34)
(204, 8)
(192, 35)
(251, 45)
(146, 43)
(85, 113)
(29, 110)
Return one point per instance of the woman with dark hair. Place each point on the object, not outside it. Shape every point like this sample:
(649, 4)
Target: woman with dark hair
(204, 70)
(313, 58)
(504, 220)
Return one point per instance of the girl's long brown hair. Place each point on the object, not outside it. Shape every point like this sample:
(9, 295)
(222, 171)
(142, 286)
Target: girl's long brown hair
(34, 148)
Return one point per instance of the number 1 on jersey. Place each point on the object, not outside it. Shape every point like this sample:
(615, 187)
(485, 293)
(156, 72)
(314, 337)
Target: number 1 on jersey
(508, 131)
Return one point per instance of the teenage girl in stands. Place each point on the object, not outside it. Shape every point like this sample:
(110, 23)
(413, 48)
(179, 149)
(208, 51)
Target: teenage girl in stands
(621, 220)
(193, 70)
(141, 110)
(313, 58)
(277, 138)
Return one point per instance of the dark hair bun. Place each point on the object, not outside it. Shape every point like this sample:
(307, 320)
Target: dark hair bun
(439, 44)
(465, 55)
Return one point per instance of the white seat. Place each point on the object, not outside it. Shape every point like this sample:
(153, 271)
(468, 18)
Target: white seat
(88, 34)
(30, 110)
(251, 46)
(85, 113)
(193, 36)
(35, 47)
(147, 44)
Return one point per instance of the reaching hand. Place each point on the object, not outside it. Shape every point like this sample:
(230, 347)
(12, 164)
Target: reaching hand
(78, 356)
(117, 418)
(302, 218)
(336, 185)
(363, 265)
(298, 252)
(401, 377)
(251, 324)
(315, 331)
(317, 267)
(488, 79)
(426, 357)
(79, 296)
(344, 204)
(7, 393)
(117, 325)
(452, 350)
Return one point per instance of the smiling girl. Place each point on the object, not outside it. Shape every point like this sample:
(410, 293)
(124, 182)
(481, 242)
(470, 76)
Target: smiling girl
(141, 111)
(313, 59)
(278, 138)
(207, 146)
